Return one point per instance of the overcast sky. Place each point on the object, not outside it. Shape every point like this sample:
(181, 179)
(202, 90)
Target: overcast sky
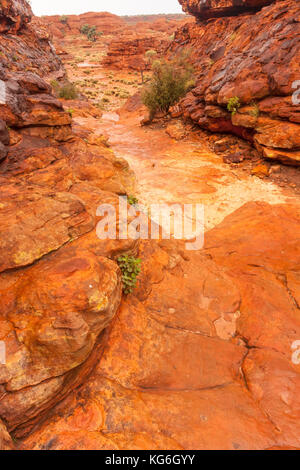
(119, 7)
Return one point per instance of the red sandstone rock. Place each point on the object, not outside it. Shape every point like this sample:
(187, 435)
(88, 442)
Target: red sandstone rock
(45, 213)
(254, 57)
(213, 8)
(13, 15)
(104, 22)
(130, 54)
(6, 442)
(203, 344)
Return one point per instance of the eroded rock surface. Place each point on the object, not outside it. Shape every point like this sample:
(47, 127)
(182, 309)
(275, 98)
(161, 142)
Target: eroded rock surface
(199, 357)
(255, 58)
(59, 287)
(214, 8)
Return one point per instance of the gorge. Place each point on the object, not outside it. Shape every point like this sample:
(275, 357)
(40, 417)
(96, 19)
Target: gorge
(200, 354)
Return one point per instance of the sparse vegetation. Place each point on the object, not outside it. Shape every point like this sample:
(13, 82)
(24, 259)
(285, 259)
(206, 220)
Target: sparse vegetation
(170, 81)
(90, 32)
(131, 268)
(233, 105)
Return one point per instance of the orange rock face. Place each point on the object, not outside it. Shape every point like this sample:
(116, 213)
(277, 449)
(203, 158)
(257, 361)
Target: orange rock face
(203, 344)
(105, 22)
(126, 38)
(52, 180)
(231, 63)
(130, 53)
(128, 50)
(14, 15)
(202, 354)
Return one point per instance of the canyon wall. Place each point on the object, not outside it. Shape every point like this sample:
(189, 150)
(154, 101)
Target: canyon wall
(126, 38)
(128, 50)
(126, 53)
(252, 56)
(58, 286)
(199, 356)
(60, 26)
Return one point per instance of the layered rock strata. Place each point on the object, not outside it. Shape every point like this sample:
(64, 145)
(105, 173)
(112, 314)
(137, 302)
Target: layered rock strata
(252, 58)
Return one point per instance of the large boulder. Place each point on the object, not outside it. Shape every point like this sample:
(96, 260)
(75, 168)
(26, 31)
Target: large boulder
(52, 316)
(214, 8)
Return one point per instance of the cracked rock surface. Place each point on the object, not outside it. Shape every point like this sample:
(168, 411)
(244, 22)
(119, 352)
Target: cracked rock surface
(168, 378)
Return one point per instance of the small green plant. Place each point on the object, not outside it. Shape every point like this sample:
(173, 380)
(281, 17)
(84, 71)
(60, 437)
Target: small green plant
(233, 105)
(132, 200)
(131, 268)
(70, 111)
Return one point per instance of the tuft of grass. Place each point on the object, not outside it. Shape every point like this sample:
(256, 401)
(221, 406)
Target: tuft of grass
(233, 105)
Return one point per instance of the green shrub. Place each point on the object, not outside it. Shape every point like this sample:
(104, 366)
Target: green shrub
(90, 32)
(170, 81)
(131, 268)
(233, 105)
